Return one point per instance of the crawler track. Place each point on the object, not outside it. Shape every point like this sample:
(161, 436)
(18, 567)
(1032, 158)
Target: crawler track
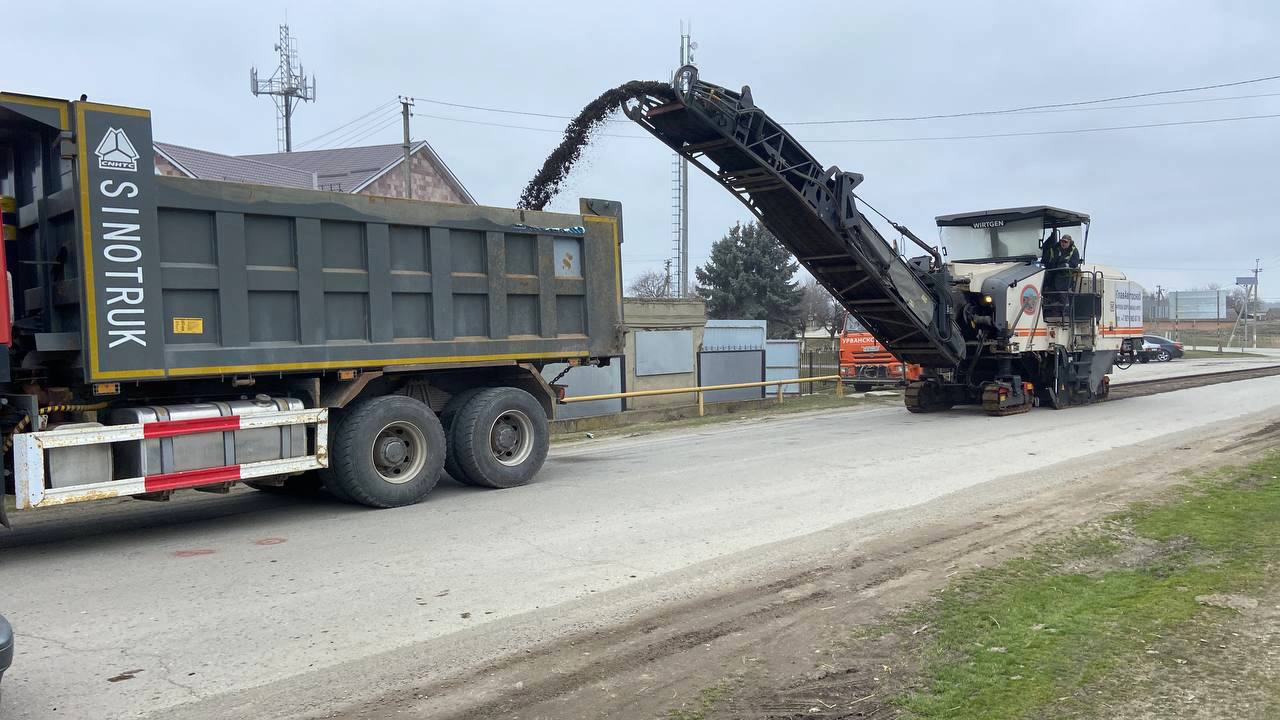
(1163, 385)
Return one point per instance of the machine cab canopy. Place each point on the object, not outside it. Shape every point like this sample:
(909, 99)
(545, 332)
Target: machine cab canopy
(1007, 235)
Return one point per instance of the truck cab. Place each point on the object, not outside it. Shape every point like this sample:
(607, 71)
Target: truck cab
(865, 363)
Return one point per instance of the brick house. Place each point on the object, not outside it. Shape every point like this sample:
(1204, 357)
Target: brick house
(368, 170)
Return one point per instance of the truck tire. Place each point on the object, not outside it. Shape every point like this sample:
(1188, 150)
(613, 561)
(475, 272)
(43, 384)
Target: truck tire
(447, 418)
(388, 451)
(500, 438)
(328, 479)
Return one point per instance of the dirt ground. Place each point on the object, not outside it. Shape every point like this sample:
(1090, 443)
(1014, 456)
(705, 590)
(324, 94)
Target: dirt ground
(811, 643)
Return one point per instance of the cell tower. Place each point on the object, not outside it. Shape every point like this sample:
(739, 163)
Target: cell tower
(287, 87)
(680, 194)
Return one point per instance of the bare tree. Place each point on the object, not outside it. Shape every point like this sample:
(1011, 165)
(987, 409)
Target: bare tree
(650, 284)
(817, 309)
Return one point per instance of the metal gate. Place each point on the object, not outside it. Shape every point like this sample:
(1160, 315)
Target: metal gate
(782, 362)
(725, 367)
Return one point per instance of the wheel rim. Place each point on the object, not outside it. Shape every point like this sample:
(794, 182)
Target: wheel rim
(1163, 356)
(511, 438)
(399, 452)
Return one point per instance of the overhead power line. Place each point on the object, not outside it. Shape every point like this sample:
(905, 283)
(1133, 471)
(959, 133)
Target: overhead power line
(494, 109)
(372, 131)
(1047, 106)
(1029, 109)
(346, 137)
(347, 124)
(516, 127)
(1151, 104)
(1073, 131)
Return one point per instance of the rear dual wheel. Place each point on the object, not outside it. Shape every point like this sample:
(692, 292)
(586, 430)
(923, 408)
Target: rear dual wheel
(498, 438)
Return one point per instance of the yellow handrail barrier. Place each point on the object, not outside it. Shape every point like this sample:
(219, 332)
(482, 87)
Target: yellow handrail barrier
(708, 388)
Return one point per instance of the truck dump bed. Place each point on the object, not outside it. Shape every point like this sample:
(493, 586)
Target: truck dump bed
(151, 277)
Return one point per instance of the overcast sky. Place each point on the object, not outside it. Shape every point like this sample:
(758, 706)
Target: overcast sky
(1178, 206)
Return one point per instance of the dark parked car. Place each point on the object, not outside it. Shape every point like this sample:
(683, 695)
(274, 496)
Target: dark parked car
(1160, 349)
(6, 645)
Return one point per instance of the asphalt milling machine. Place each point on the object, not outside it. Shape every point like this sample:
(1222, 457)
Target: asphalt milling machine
(987, 322)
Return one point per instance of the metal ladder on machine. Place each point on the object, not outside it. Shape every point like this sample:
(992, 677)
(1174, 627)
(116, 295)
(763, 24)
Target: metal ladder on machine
(1078, 370)
(811, 210)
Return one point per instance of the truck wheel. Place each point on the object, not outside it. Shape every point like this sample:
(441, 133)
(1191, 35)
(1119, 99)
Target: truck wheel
(501, 437)
(328, 480)
(447, 418)
(388, 451)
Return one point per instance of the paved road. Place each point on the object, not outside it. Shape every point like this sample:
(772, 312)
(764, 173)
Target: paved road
(1190, 366)
(204, 599)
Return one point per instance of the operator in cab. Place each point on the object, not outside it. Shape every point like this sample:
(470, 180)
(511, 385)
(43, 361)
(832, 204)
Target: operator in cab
(1059, 254)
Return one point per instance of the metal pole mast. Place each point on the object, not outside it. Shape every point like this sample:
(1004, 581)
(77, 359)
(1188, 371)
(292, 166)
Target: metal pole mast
(680, 191)
(405, 104)
(286, 87)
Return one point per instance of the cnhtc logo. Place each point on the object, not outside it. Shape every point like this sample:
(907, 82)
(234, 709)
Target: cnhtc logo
(115, 152)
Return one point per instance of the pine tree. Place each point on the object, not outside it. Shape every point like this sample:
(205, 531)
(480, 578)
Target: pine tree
(750, 275)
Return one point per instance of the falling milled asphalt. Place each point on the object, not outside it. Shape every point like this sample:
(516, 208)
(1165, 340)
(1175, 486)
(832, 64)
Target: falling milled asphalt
(251, 605)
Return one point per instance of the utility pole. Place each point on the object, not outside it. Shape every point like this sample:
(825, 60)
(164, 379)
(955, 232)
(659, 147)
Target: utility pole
(405, 104)
(287, 87)
(1257, 268)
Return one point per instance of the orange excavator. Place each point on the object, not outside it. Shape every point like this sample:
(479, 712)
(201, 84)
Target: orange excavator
(865, 363)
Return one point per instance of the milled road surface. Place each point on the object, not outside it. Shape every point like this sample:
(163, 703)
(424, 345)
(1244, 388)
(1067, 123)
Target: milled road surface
(256, 606)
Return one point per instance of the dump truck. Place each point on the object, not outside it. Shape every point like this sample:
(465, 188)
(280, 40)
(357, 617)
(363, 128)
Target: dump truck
(168, 333)
(864, 363)
(987, 322)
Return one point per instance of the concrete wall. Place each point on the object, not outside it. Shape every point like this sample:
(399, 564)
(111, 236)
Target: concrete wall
(428, 184)
(641, 314)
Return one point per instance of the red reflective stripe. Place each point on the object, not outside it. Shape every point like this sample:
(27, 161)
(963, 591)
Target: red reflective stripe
(169, 428)
(6, 328)
(191, 478)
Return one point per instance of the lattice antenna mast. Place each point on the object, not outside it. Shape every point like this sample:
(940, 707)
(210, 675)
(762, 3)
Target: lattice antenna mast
(287, 87)
(679, 278)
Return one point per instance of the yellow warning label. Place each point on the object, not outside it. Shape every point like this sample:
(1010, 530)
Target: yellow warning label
(188, 326)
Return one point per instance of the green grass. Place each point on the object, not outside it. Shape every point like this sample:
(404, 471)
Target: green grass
(706, 702)
(1075, 612)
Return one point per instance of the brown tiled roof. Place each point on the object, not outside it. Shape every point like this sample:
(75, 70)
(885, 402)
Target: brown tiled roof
(338, 170)
(216, 166)
(351, 169)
